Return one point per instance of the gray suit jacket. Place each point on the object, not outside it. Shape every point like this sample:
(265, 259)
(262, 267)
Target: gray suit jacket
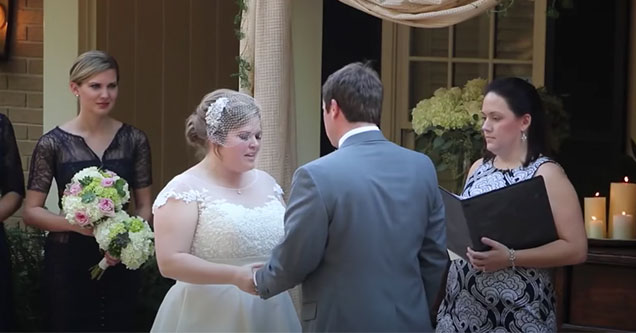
(365, 234)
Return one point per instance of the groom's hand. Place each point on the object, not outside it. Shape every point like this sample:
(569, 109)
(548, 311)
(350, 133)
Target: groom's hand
(245, 278)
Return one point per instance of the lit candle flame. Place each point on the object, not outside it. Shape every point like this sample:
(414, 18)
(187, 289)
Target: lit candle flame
(623, 213)
(593, 218)
(626, 179)
(597, 194)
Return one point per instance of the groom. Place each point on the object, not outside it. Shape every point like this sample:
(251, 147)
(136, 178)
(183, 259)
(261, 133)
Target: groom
(364, 227)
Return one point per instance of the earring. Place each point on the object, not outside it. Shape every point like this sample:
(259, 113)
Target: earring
(524, 137)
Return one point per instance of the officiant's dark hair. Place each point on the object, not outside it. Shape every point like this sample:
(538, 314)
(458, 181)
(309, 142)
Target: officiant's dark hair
(522, 98)
(358, 90)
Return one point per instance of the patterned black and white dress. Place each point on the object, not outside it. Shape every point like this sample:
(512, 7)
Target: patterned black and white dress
(508, 300)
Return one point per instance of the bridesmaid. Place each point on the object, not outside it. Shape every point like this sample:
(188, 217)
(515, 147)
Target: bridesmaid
(72, 301)
(12, 192)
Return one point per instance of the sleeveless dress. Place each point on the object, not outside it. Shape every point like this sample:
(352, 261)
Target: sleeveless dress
(234, 227)
(508, 300)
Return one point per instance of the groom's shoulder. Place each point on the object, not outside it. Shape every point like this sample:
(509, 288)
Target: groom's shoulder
(399, 154)
(335, 157)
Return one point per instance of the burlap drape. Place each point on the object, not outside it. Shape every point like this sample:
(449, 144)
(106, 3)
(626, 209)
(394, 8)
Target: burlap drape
(267, 47)
(423, 13)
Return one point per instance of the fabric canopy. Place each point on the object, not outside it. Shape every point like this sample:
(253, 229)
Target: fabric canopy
(423, 13)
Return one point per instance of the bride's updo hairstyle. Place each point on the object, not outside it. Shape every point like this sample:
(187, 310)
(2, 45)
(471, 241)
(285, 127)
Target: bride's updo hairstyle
(219, 112)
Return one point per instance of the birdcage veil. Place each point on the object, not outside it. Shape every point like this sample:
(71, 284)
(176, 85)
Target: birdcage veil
(229, 110)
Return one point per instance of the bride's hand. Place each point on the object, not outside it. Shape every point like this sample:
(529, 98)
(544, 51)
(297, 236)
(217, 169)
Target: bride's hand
(244, 278)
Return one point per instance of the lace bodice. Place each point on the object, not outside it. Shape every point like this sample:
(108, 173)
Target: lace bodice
(231, 226)
(60, 155)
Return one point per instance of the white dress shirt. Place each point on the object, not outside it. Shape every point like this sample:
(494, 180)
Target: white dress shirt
(355, 131)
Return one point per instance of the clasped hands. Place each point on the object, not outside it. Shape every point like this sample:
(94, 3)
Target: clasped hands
(244, 279)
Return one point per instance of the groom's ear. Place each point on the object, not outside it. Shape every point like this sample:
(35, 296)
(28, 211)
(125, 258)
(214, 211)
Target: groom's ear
(334, 108)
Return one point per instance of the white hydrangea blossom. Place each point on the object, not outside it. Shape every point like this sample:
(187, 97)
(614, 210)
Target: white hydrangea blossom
(92, 172)
(102, 230)
(140, 248)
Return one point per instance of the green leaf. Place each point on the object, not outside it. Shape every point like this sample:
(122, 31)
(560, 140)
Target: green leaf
(119, 186)
(447, 145)
(438, 142)
(86, 181)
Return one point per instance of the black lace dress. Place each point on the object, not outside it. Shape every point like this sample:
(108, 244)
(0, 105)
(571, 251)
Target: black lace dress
(72, 301)
(11, 180)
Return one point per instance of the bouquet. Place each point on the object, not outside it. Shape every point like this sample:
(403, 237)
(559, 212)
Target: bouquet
(127, 238)
(94, 195)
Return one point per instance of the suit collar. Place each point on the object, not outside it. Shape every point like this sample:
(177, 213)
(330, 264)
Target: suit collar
(363, 137)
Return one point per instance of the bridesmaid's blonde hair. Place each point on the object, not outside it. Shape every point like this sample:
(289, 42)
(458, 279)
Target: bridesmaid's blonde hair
(91, 63)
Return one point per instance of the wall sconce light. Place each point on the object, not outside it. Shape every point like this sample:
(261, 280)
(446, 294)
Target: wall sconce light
(6, 20)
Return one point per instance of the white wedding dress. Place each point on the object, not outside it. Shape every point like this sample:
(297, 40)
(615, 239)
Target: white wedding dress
(235, 227)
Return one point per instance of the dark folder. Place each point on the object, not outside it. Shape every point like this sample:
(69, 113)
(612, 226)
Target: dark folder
(518, 216)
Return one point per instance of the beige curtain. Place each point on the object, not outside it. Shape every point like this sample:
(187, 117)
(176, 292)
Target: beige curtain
(423, 13)
(267, 47)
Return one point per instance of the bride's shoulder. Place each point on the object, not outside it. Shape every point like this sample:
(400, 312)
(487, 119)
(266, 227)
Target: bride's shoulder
(184, 187)
(263, 175)
(266, 180)
(186, 178)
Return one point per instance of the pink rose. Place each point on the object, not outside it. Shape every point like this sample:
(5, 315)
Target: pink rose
(106, 206)
(75, 189)
(108, 182)
(81, 218)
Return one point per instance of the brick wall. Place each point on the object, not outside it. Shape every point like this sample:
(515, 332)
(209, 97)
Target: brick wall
(21, 80)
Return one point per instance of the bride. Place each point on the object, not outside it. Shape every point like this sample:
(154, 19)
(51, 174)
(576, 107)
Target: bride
(215, 220)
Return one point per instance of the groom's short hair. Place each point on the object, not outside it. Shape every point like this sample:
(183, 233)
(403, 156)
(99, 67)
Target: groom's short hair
(358, 90)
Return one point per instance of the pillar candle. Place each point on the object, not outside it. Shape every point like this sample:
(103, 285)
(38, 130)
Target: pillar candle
(596, 228)
(622, 199)
(594, 207)
(623, 226)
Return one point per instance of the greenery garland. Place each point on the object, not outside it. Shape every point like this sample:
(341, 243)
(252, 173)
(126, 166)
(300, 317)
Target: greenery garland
(551, 12)
(244, 66)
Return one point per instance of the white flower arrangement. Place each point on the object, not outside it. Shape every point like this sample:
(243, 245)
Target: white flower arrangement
(448, 128)
(127, 238)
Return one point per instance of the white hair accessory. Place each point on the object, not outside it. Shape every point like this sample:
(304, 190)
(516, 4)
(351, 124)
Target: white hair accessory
(213, 115)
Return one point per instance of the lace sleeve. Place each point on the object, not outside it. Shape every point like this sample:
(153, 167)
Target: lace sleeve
(179, 188)
(143, 161)
(43, 165)
(11, 176)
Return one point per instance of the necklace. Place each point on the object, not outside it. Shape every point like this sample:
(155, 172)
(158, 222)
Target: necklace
(240, 190)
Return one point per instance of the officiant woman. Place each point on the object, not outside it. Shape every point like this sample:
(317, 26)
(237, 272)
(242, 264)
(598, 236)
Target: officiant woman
(505, 289)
